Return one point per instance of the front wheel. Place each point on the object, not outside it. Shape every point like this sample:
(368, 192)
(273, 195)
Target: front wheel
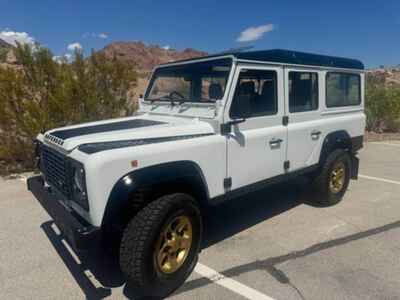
(159, 247)
(333, 179)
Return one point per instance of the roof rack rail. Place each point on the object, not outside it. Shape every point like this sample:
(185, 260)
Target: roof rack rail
(233, 50)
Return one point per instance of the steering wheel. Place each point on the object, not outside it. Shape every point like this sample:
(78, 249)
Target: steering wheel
(176, 94)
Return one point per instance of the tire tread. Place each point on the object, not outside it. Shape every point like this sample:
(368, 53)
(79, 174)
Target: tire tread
(320, 181)
(138, 233)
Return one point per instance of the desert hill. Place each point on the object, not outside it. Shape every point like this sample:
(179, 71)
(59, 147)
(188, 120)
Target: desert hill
(388, 75)
(4, 44)
(145, 57)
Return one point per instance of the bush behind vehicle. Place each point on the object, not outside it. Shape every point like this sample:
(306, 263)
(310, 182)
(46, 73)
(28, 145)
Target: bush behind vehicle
(382, 105)
(42, 93)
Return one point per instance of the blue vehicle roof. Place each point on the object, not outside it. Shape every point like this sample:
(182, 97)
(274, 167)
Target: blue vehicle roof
(294, 57)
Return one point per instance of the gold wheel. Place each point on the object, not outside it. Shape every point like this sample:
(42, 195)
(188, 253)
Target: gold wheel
(337, 178)
(174, 244)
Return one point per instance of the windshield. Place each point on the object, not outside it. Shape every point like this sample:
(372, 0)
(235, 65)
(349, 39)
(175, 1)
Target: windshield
(192, 82)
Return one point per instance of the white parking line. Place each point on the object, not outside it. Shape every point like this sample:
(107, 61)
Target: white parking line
(379, 179)
(385, 143)
(229, 283)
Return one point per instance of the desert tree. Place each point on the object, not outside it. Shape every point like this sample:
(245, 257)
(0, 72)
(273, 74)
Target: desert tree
(40, 93)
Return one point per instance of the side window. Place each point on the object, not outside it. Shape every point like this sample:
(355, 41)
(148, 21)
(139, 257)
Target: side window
(342, 89)
(303, 91)
(261, 87)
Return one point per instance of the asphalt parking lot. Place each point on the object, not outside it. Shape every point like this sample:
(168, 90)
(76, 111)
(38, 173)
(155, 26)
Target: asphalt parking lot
(273, 244)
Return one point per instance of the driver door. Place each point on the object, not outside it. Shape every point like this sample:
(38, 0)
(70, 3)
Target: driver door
(256, 148)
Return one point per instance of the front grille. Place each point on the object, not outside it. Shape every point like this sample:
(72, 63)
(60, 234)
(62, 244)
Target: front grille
(56, 169)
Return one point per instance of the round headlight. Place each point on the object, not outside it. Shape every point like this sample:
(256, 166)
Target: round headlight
(78, 179)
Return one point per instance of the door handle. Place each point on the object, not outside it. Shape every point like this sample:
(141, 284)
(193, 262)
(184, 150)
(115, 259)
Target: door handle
(315, 134)
(275, 142)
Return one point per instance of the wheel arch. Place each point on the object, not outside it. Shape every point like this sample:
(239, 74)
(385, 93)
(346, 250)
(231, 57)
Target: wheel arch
(138, 188)
(335, 140)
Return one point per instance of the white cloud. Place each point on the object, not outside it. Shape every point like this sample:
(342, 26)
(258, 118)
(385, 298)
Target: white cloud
(254, 33)
(74, 47)
(166, 47)
(102, 35)
(62, 58)
(12, 37)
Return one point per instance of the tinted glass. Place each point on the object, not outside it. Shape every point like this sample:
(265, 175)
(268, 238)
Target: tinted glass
(261, 88)
(213, 87)
(303, 91)
(342, 89)
(192, 82)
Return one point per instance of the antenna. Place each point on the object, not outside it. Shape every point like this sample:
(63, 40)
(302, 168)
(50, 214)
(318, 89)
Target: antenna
(235, 50)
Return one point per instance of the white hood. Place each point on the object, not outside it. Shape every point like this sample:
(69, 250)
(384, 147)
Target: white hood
(131, 128)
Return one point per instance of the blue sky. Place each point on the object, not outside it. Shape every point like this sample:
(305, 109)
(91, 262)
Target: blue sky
(368, 30)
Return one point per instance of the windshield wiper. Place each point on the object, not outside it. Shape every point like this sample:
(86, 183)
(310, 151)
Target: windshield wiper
(181, 101)
(163, 98)
(170, 98)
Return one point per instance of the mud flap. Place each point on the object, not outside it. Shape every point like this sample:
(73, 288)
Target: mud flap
(355, 162)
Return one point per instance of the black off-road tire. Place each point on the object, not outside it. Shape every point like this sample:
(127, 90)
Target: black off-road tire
(139, 240)
(323, 194)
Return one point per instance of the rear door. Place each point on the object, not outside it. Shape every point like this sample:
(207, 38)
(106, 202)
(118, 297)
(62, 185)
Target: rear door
(302, 93)
(257, 147)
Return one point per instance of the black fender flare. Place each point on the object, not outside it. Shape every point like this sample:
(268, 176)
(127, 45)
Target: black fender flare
(121, 200)
(342, 140)
(335, 140)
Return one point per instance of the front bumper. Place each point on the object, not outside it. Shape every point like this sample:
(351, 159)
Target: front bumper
(79, 234)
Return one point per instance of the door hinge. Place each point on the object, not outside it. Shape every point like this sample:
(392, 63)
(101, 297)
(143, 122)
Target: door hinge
(225, 128)
(286, 165)
(285, 120)
(228, 182)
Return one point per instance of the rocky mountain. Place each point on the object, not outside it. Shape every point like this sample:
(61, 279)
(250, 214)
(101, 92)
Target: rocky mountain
(388, 75)
(7, 57)
(4, 45)
(145, 57)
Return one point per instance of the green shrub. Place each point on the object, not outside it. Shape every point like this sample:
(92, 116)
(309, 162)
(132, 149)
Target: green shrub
(42, 93)
(3, 54)
(382, 106)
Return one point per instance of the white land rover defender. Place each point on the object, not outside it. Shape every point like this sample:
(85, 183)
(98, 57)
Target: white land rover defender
(208, 130)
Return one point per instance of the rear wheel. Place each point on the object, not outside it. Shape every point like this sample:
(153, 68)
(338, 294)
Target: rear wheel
(160, 245)
(332, 181)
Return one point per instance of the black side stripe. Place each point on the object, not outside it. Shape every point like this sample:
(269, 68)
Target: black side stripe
(103, 146)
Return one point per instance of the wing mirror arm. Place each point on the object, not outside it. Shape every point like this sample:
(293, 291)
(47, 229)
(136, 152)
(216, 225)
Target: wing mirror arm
(227, 127)
(243, 111)
(236, 121)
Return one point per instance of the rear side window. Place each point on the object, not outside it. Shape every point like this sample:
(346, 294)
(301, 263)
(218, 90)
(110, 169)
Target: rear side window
(303, 91)
(261, 87)
(342, 89)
